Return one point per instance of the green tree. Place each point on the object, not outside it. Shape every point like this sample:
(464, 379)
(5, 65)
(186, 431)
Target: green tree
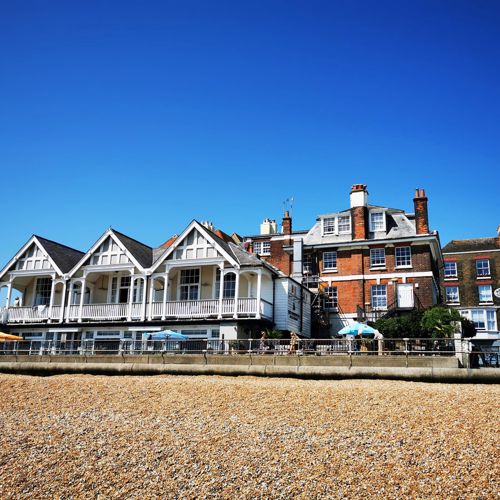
(440, 321)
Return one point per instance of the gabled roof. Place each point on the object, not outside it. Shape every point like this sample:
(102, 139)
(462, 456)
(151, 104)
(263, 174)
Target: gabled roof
(472, 245)
(63, 256)
(143, 253)
(60, 256)
(139, 254)
(236, 255)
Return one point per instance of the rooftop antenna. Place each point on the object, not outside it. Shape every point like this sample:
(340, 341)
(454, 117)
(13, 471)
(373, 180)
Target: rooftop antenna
(288, 205)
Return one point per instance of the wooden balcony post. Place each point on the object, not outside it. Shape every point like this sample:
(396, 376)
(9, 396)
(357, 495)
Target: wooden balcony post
(63, 302)
(82, 296)
(259, 291)
(130, 298)
(51, 303)
(165, 291)
(221, 290)
(151, 289)
(144, 287)
(236, 293)
(9, 294)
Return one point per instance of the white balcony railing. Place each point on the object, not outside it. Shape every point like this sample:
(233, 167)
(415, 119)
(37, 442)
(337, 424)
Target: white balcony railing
(190, 309)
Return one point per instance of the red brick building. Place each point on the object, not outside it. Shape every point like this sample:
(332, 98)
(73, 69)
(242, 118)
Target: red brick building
(363, 262)
(471, 282)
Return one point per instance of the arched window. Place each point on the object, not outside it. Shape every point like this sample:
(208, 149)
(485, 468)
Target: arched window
(229, 289)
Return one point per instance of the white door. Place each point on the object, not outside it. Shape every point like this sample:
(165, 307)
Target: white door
(405, 296)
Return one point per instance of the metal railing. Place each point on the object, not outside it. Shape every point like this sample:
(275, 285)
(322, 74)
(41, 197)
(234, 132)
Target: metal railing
(276, 347)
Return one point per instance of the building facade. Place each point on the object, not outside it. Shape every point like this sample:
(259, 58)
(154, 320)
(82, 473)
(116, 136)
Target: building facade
(201, 284)
(471, 282)
(361, 262)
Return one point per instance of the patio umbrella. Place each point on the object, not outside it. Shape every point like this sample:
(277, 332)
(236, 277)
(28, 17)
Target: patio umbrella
(355, 328)
(8, 336)
(167, 335)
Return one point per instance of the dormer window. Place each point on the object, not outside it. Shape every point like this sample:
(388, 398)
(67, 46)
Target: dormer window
(341, 224)
(262, 247)
(377, 221)
(344, 224)
(329, 225)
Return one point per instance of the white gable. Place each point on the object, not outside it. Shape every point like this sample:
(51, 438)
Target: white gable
(33, 258)
(108, 253)
(194, 246)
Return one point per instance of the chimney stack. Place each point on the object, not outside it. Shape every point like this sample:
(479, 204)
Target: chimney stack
(286, 224)
(359, 209)
(421, 215)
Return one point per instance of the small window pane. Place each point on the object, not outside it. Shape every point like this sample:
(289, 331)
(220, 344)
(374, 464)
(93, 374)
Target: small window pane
(377, 257)
(450, 269)
(329, 225)
(485, 293)
(329, 260)
(483, 267)
(452, 295)
(403, 256)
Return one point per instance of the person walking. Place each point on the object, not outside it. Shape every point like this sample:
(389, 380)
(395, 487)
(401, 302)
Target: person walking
(380, 341)
(293, 342)
(263, 341)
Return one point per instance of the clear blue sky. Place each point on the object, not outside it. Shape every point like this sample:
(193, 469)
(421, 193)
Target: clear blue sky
(145, 115)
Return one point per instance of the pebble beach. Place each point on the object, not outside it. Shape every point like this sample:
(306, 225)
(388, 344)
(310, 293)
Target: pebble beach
(82, 436)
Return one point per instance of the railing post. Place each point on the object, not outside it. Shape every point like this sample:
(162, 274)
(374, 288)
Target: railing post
(406, 351)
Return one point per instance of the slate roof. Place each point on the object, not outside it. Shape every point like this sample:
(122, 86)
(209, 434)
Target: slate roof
(239, 254)
(398, 225)
(141, 252)
(64, 257)
(473, 245)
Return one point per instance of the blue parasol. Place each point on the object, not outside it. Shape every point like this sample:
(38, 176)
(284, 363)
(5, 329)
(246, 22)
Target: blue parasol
(355, 328)
(166, 335)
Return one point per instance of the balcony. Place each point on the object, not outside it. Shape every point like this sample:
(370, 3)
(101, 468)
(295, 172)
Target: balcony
(171, 310)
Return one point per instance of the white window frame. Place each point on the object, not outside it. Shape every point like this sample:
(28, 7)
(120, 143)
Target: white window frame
(344, 231)
(38, 282)
(489, 318)
(377, 265)
(262, 247)
(331, 224)
(489, 298)
(377, 225)
(378, 297)
(488, 269)
(455, 297)
(407, 257)
(189, 285)
(450, 276)
(334, 257)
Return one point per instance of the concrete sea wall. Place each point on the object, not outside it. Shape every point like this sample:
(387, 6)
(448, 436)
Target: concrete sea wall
(416, 368)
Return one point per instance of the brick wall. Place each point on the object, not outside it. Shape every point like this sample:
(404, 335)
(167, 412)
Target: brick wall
(467, 278)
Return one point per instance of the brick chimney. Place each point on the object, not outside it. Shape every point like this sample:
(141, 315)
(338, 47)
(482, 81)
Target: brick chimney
(421, 215)
(286, 224)
(359, 210)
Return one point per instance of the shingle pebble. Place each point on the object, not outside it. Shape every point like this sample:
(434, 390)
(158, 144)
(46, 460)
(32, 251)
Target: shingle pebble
(82, 436)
